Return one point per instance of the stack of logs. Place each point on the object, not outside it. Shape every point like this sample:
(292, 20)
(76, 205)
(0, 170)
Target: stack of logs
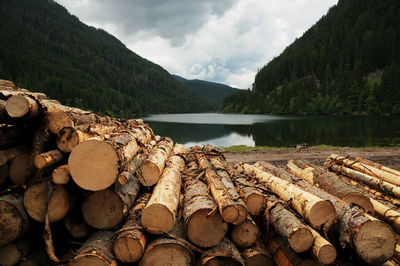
(78, 188)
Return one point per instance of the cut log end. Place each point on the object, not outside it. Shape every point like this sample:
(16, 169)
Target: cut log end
(92, 260)
(174, 254)
(255, 203)
(301, 240)
(327, 254)
(9, 254)
(259, 259)
(157, 219)
(375, 242)
(206, 231)
(230, 214)
(11, 222)
(103, 209)
(149, 173)
(93, 165)
(58, 120)
(245, 234)
(19, 172)
(19, 106)
(322, 213)
(360, 200)
(128, 249)
(218, 261)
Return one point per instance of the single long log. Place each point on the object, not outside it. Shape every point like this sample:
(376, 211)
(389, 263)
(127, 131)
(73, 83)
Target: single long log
(222, 168)
(334, 185)
(12, 253)
(367, 169)
(288, 226)
(130, 240)
(316, 211)
(152, 167)
(245, 234)
(61, 175)
(19, 169)
(48, 159)
(204, 226)
(257, 255)
(283, 255)
(106, 208)
(95, 164)
(386, 213)
(14, 221)
(35, 202)
(225, 253)
(229, 204)
(365, 178)
(377, 165)
(159, 214)
(172, 248)
(372, 239)
(96, 251)
(322, 250)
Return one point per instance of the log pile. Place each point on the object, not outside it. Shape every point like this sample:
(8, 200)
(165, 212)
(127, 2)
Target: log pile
(88, 189)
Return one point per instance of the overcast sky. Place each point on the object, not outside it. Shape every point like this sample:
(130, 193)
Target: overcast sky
(224, 41)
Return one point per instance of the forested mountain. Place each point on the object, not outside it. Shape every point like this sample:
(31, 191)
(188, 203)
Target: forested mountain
(211, 91)
(44, 48)
(348, 62)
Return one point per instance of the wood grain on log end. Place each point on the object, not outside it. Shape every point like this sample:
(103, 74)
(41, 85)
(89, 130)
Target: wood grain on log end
(9, 254)
(103, 209)
(157, 219)
(19, 170)
(326, 254)
(20, 106)
(93, 165)
(255, 203)
(360, 200)
(374, 241)
(301, 240)
(149, 173)
(322, 213)
(61, 175)
(130, 249)
(35, 202)
(58, 120)
(230, 213)
(245, 234)
(206, 230)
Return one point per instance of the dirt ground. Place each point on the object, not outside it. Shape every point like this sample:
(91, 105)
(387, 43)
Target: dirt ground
(389, 157)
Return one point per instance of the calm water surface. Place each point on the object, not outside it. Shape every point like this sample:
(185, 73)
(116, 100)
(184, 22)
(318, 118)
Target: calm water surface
(282, 131)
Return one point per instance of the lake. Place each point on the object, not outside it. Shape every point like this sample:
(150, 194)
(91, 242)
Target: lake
(223, 130)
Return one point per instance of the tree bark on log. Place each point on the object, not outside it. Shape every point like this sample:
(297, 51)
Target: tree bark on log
(333, 184)
(130, 240)
(204, 225)
(316, 211)
(229, 204)
(106, 208)
(367, 169)
(225, 253)
(95, 164)
(35, 202)
(367, 179)
(372, 239)
(153, 166)
(377, 165)
(61, 175)
(222, 168)
(48, 159)
(245, 234)
(322, 250)
(12, 253)
(288, 226)
(172, 248)
(14, 221)
(253, 197)
(96, 251)
(257, 255)
(285, 256)
(159, 214)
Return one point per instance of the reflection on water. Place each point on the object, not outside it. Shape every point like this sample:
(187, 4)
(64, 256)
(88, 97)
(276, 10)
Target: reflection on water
(264, 130)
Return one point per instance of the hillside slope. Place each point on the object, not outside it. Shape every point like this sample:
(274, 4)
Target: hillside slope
(348, 62)
(210, 91)
(44, 48)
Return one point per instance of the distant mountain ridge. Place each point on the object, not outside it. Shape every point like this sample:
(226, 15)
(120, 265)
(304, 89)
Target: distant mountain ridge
(347, 63)
(210, 91)
(44, 48)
